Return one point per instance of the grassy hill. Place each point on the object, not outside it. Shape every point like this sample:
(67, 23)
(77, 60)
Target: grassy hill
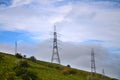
(18, 68)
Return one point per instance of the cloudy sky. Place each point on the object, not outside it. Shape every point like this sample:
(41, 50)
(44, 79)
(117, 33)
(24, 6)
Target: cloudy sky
(82, 24)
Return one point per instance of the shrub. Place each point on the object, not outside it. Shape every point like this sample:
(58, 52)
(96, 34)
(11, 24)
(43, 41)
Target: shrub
(25, 74)
(32, 58)
(32, 75)
(18, 55)
(22, 71)
(23, 64)
(68, 66)
(24, 56)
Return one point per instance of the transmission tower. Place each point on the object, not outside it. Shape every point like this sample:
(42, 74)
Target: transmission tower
(55, 54)
(93, 67)
(16, 47)
(103, 73)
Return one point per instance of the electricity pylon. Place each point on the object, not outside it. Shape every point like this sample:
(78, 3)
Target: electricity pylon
(93, 67)
(16, 47)
(103, 73)
(55, 54)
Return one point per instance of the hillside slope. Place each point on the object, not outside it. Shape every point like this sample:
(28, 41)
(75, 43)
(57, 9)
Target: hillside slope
(15, 68)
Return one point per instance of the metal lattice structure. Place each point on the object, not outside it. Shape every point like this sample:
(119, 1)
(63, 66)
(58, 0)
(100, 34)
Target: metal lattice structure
(16, 47)
(103, 73)
(55, 54)
(93, 67)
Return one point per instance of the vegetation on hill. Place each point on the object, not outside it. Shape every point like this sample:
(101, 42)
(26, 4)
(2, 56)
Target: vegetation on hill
(21, 68)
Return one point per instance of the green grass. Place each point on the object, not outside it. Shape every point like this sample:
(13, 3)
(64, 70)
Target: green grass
(43, 70)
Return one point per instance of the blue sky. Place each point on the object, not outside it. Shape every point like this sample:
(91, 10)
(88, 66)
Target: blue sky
(6, 2)
(84, 24)
(12, 37)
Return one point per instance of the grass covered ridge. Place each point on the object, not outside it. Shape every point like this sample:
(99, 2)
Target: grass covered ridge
(21, 68)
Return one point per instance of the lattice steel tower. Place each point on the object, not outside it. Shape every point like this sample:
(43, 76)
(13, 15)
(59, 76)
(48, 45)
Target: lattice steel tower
(55, 54)
(93, 67)
(16, 47)
(103, 73)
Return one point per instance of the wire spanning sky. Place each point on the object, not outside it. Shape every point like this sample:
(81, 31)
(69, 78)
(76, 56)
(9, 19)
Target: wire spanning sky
(84, 24)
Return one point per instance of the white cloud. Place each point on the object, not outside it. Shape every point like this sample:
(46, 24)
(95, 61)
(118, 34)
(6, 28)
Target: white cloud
(79, 21)
(16, 3)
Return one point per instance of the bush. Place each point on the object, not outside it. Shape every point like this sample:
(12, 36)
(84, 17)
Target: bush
(68, 66)
(21, 67)
(18, 55)
(24, 56)
(22, 71)
(23, 64)
(32, 58)
(25, 74)
(32, 75)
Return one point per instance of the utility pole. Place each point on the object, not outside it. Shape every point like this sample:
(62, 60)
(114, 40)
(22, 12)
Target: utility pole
(55, 54)
(93, 67)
